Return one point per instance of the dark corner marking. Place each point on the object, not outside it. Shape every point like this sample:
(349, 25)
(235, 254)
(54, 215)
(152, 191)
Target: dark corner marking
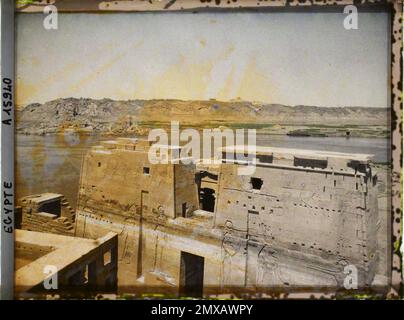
(169, 4)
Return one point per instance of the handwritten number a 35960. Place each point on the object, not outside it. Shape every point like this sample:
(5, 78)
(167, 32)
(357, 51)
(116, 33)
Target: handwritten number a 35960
(7, 100)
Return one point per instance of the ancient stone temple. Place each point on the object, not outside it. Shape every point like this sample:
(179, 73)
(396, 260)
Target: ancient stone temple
(298, 221)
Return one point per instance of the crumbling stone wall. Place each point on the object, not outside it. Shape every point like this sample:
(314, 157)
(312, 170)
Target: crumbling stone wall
(46, 212)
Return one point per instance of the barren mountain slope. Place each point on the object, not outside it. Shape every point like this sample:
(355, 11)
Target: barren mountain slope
(110, 116)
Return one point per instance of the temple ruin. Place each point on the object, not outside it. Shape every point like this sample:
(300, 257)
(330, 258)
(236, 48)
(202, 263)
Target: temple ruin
(296, 223)
(46, 212)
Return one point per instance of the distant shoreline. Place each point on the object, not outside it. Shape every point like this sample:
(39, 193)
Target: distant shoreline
(296, 131)
(112, 117)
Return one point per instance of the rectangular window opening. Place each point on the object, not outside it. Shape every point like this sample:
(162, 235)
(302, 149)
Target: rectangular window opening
(256, 183)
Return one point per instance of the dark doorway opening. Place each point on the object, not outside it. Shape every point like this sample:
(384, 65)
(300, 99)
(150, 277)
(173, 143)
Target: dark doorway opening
(52, 207)
(184, 210)
(191, 275)
(207, 199)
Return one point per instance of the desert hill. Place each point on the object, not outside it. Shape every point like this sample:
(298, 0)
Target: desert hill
(110, 116)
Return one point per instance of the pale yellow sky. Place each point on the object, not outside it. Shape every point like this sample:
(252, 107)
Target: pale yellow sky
(288, 58)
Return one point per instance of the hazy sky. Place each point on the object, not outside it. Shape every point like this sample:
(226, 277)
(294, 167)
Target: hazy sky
(288, 58)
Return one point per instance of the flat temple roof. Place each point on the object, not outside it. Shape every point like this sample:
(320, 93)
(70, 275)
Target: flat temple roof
(42, 197)
(66, 251)
(301, 152)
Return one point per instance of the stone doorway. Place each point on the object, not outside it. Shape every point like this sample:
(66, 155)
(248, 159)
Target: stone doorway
(208, 199)
(191, 275)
